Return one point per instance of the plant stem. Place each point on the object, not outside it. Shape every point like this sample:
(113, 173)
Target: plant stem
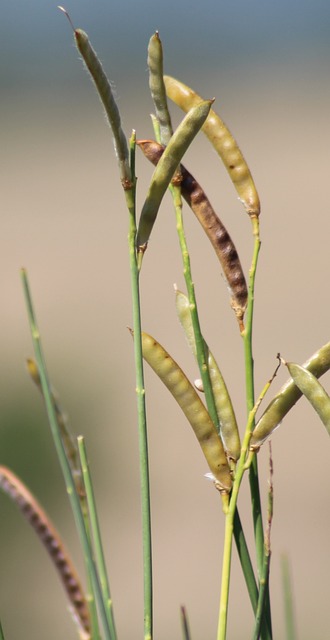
(141, 406)
(290, 627)
(96, 535)
(230, 515)
(249, 369)
(201, 355)
(245, 560)
(264, 578)
(185, 625)
(64, 462)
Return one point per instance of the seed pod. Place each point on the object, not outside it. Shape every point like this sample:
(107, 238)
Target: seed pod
(184, 393)
(212, 225)
(312, 390)
(287, 397)
(105, 92)
(178, 145)
(67, 437)
(157, 87)
(34, 513)
(226, 415)
(223, 142)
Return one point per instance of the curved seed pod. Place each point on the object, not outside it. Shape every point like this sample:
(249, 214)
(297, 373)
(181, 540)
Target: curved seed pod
(213, 227)
(68, 439)
(287, 397)
(312, 390)
(34, 513)
(106, 95)
(178, 145)
(223, 142)
(184, 393)
(157, 87)
(226, 415)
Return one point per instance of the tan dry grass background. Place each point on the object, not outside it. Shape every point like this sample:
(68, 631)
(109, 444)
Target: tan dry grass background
(65, 221)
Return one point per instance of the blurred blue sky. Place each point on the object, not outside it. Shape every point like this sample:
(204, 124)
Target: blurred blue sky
(35, 38)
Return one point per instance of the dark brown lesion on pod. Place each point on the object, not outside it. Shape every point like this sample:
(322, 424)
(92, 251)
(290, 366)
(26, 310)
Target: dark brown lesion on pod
(217, 233)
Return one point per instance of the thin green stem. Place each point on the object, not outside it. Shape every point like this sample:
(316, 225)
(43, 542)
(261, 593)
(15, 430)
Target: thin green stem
(96, 534)
(141, 406)
(264, 578)
(245, 560)
(201, 355)
(71, 452)
(290, 625)
(230, 515)
(249, 369)
(64, 462)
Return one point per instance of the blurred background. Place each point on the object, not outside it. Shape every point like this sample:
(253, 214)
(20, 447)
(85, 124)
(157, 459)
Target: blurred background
(64, 218)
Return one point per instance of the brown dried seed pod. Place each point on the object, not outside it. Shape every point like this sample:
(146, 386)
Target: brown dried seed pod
(218, 235)
(34, 513)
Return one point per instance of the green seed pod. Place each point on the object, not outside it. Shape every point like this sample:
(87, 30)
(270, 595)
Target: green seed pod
(226, 415)
(184, 393)
(223, 142)
(36, 516)
(312, 390)
(106, 95)
(212, 225)
(287, 397)
(178, 145)
(157, 87)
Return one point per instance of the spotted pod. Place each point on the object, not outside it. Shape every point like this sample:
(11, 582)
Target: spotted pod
(212, 225)
(187, 398)
(223, 142)
(225, 411)
(157, 87)
(105, 92)
(287, 397)
(312, 389)
(171, 158)
(34, 513)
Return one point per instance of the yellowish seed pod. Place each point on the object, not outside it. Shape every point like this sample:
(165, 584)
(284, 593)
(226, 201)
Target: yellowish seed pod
(184, 393)
(223, 142)
(171, 158)
(225, 411)
(312, 389)
(287, 397)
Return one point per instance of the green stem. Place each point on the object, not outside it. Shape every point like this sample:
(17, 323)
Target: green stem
(264, 578)
(249, 368)
(230, 516)
(64, 462)
(96, 535)
(245, 560)
(141, 406)
(290, 627)
(201, 355)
